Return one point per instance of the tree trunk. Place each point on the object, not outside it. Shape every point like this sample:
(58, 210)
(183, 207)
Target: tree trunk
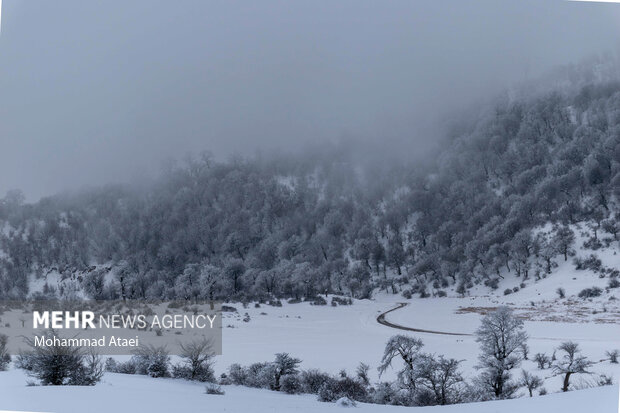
(566, 381)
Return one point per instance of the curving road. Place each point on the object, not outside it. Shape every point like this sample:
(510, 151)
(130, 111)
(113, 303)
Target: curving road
(381, 320)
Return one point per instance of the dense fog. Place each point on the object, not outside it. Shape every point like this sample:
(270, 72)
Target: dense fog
(98, 92)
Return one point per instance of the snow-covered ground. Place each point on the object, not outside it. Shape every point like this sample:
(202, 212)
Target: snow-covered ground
(334, 338)
(126, 393)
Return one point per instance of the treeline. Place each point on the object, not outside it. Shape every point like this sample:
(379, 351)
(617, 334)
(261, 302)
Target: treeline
(325, 222)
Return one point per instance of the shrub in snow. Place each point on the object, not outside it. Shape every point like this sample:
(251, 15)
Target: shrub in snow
(613, 356)
(5, 358)
(362, 373)
(384, 394)
(542, 360)
(197, 362)
(213, 388)
(110, 365)
(614, 283)
(318, 300)
(525, 350)
(336, 388)
(492, 283)
(236, 375)
(345, 402)
(561, 292)
(259, 375)
(58, 365)
(424, 397)
(407, 294)
(590, 292)
(151, 360)
(312, 380)
(592, 244)
(507, 291)
(592, 262)
(604, 380)
(342, 301)
(442, 293)
(291, 384)
(264, 375)
(530, 382)
(128, 367)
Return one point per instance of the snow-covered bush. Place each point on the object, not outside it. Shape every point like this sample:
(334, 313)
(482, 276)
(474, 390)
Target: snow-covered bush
(236, 375)
(5, 358)
(336, 388)
(312, 380)
(213, 388)
(197, 362)
(346, 402)
(542, 360)
(291, 384)
(151, 360)
(591, 262)
(590, 292)
(613, 356)
(60, 365)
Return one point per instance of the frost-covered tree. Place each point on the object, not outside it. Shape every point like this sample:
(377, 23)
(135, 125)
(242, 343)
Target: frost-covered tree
(564, 238)
(441, 376)
(284, 364)
(407, 349)
(501, 336)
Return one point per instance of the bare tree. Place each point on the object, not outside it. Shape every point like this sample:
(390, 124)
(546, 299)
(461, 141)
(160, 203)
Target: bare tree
(542, 360)
(573, 362)
(530, 381)
(613, 356)
(198, 358)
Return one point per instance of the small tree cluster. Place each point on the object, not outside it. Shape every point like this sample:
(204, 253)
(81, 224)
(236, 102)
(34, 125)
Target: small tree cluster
(425, 378)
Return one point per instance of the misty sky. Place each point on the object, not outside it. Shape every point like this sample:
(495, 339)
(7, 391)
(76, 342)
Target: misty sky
(95, 91)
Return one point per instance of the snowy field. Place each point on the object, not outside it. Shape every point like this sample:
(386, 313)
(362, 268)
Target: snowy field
(126, 393)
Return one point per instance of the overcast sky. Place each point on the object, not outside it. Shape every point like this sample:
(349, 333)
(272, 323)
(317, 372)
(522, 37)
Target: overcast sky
(95, 91)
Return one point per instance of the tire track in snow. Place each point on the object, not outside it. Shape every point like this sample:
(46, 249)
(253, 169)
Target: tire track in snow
(381, 320)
